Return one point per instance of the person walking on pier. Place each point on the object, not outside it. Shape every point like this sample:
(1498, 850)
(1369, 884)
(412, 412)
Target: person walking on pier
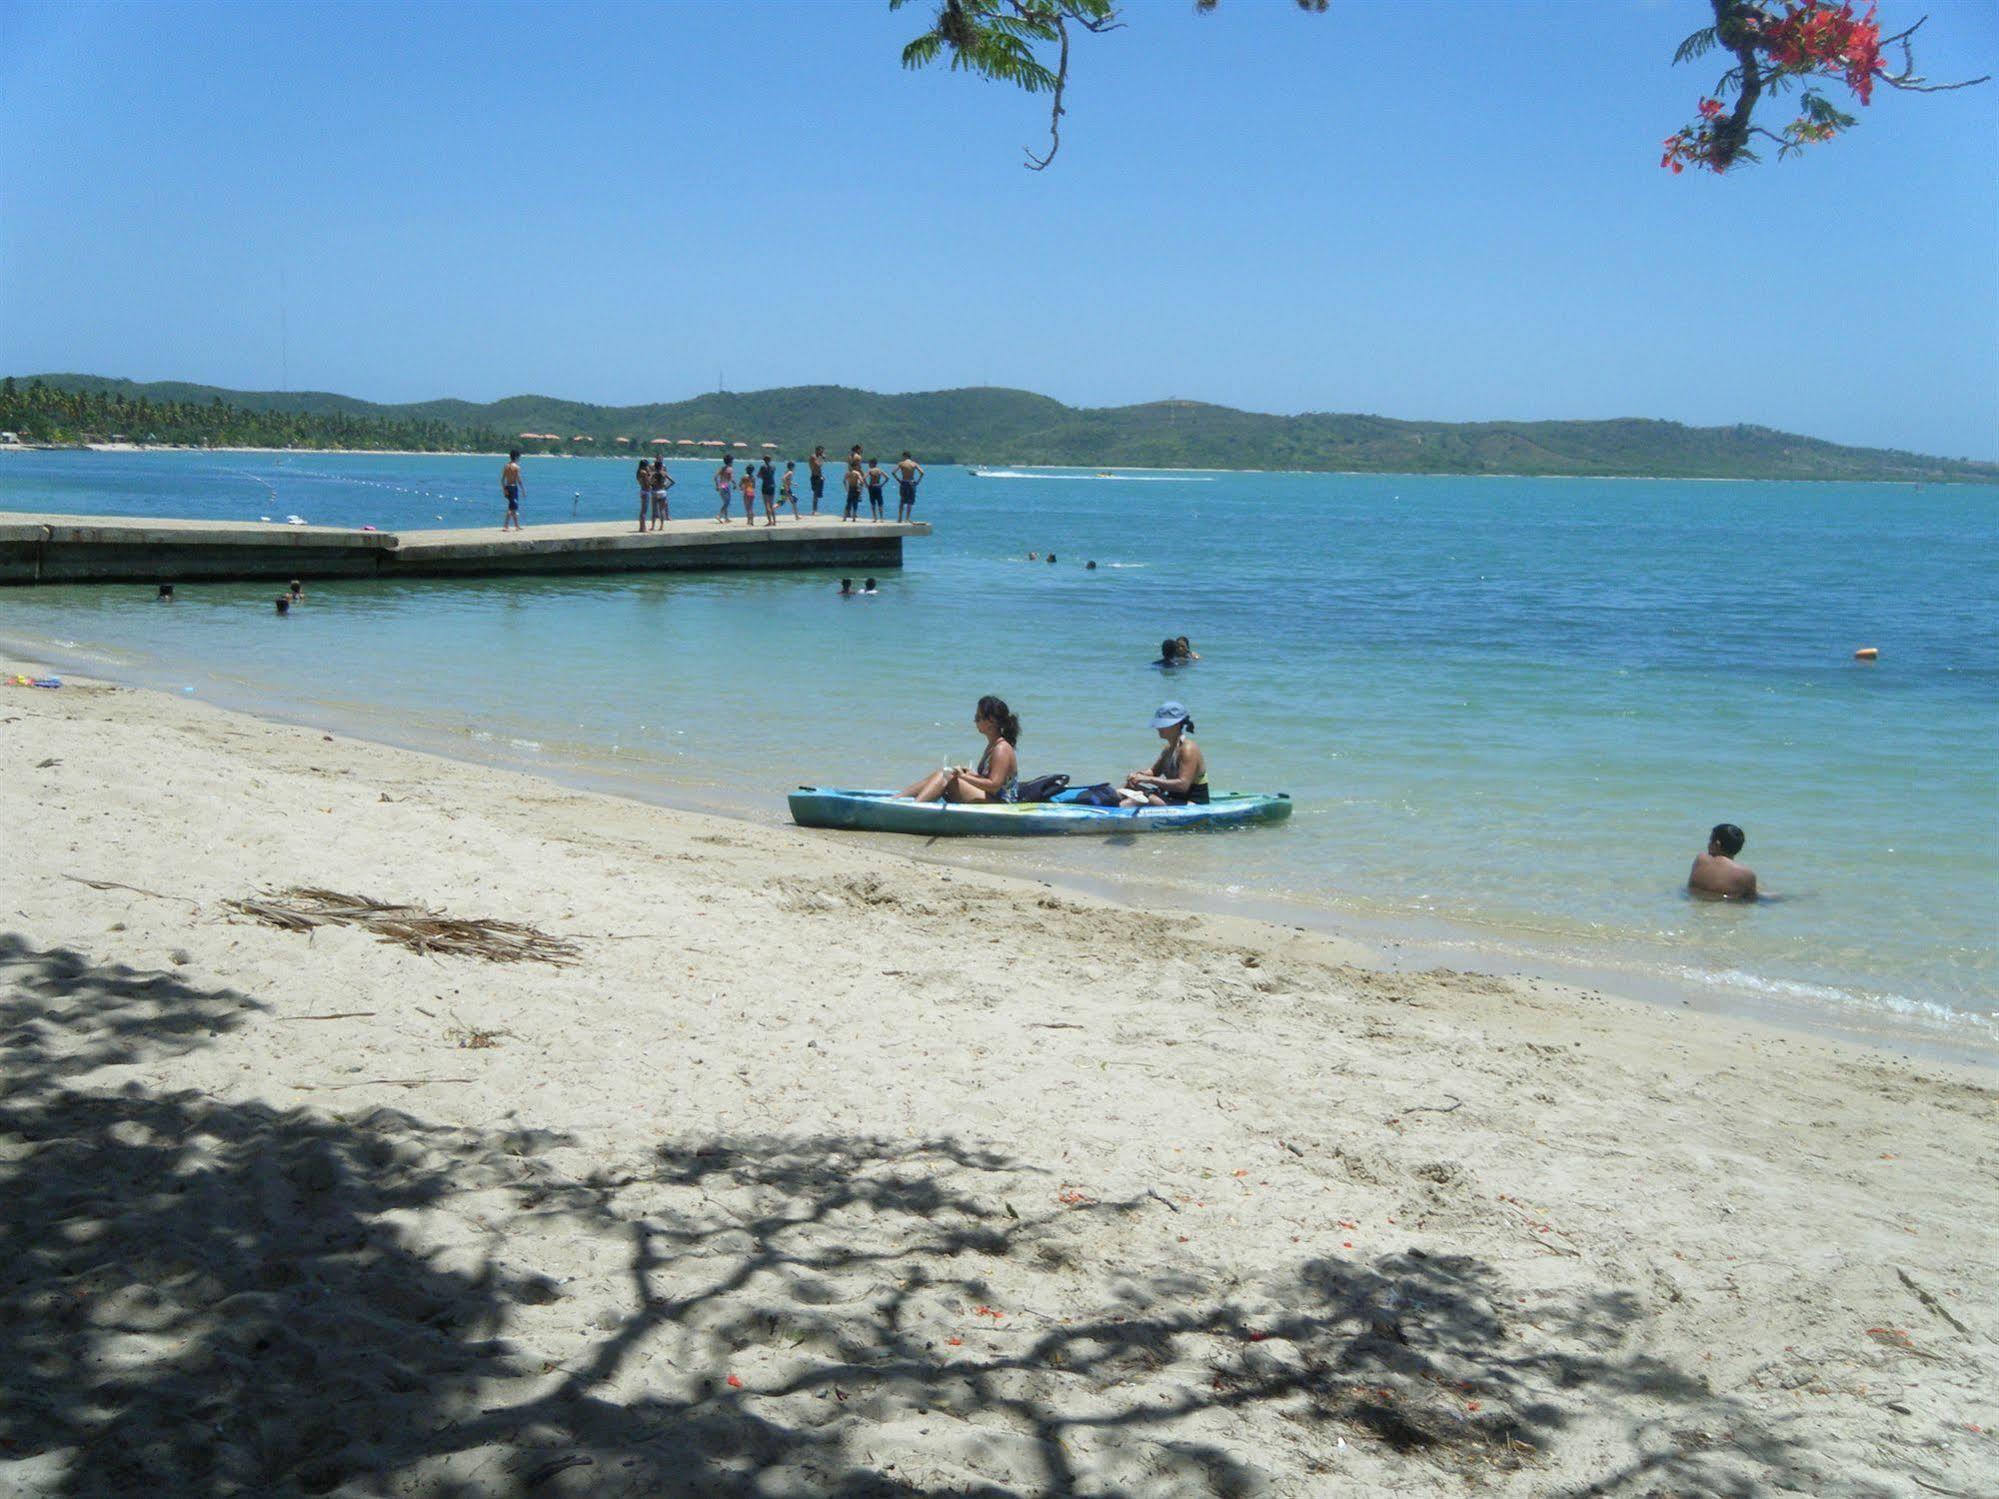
(511, 486)
(786, 494)
(908, 474)
(725, 487)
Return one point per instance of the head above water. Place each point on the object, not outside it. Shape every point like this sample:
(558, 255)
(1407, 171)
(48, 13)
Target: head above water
(869, 585)
(514, 455)
(1726, 840)
(1051, 556)
(993, 710)
(1169, 651)
(846, 585)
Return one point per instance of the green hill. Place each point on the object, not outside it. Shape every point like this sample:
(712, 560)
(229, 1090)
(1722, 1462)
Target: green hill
(976, 425)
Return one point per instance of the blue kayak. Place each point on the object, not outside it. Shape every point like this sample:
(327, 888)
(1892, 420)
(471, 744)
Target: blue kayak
(885, 812)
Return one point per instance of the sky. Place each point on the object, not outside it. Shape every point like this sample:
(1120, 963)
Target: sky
(1429, 210)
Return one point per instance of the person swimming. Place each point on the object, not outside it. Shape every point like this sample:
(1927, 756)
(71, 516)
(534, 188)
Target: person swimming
(1187, 651)
(996, 778)
(869, 587)
(1169, 654)
(846, 588)
(1180, 774)
(1716, 873)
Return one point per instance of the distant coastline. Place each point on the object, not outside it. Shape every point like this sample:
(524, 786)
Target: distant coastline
(982, 427)
(1158, 468)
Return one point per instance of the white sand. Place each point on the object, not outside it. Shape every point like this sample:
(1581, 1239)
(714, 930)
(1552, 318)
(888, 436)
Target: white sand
(826, 1172)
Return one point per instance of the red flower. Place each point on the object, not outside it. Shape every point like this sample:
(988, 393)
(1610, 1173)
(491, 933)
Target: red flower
(1710, 108)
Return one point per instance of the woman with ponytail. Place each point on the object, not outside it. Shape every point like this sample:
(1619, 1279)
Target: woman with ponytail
(996, 778)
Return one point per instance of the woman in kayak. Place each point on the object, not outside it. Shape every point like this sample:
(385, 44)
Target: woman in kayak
(997, 776)
(1179, 775)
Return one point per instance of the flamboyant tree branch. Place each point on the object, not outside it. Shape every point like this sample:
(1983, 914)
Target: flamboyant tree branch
(1775, 44)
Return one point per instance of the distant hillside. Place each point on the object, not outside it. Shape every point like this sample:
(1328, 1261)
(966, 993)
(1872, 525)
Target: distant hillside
(993, 426)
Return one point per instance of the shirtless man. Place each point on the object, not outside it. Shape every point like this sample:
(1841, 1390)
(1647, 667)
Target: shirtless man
(1716, 873)
(908, 474)
(817, 463)
(511, 486)
(645, 492)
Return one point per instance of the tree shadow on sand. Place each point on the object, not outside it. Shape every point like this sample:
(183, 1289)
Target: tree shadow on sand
(204, 1296)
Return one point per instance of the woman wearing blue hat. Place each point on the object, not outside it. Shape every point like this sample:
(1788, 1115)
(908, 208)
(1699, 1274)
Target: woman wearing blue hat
(1179, 775)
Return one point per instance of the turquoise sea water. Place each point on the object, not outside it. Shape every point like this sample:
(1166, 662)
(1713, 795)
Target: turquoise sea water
(1509, 709)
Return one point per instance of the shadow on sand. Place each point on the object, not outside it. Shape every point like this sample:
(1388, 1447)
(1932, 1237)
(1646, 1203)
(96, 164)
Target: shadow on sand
(201, 1296)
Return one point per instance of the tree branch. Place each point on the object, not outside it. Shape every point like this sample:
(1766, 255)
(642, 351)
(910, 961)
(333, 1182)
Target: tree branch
(1040, 163)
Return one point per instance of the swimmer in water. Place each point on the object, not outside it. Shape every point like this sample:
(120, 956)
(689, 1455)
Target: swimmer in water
(1187, 651)
(1716, 873)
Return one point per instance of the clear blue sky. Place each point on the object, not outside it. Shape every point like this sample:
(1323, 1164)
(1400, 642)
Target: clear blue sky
(1448, 210)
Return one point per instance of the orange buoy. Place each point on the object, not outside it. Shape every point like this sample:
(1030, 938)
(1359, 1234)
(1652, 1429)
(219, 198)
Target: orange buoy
(1866, 653)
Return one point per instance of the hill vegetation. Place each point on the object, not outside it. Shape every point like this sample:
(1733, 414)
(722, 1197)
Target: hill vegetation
(978, 425)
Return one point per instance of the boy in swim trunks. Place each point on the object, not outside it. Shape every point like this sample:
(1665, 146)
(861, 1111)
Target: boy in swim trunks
(510, 486)
(908, 474)
(786, 495)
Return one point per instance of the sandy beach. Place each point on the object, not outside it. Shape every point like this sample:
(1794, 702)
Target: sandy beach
(820, 1171)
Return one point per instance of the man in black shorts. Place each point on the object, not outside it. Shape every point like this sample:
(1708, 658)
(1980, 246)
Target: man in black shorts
(767, 486)
(510, 486)
(908, 474)
(817, 463)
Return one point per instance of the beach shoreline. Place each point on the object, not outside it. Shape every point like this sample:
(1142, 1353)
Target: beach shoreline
(1397, 941)
(870, 1171)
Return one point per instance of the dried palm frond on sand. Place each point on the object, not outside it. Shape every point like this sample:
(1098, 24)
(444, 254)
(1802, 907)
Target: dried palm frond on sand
(303, 909)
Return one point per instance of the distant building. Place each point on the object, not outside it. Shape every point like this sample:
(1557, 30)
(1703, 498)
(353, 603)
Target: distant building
(10, 439)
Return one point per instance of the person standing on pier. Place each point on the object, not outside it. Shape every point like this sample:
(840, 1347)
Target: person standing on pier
(877, 477)
(662, 481)
(767, 483)
(725, 487)
(511, 486)
(853, 481)
(908, 474)
(817, 464)
(749, 492)
(645, 492)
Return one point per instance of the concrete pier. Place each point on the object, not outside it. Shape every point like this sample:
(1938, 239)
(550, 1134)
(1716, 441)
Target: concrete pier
(122, 549)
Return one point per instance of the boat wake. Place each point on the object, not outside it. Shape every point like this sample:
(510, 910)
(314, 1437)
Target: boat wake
(1009, 473)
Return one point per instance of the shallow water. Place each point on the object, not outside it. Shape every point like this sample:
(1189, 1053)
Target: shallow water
(1509, 709)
